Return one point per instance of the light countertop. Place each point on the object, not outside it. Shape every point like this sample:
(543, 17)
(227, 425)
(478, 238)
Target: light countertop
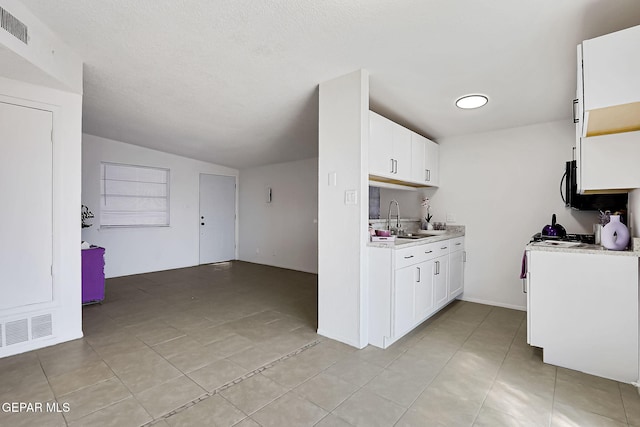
(453, 231)
(582, 248)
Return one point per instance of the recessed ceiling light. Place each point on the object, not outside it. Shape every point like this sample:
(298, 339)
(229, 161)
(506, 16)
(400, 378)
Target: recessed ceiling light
(469, 102)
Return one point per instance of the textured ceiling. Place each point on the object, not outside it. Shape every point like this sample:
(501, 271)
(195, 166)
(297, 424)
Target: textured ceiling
(234, 82)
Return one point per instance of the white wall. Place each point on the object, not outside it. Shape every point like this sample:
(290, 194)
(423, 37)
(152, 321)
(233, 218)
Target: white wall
(342, 229)
(283, 233)
(141, 250)
(504, 186)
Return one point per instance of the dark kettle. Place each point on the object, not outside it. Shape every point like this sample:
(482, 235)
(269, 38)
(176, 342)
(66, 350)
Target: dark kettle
(554, 229)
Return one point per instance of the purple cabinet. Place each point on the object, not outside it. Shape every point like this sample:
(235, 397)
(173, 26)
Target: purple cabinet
(92, 275)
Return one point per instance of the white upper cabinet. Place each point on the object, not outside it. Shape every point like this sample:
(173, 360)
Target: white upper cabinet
(424, 160)
(389, 149)
(608, 68)
(431, 163)
(402, 152)
(400, 156)
(380, 145)
(609, 162)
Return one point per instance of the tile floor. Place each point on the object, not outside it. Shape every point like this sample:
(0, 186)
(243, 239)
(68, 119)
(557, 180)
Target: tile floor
(234, 345)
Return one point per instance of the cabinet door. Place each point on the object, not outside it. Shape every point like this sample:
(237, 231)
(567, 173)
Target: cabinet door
(402, 152)
(431, 162)
(423, 291)
(380, 146)
(456, 274)
(403, 300)
(611, 69)
(610, 162)
(418, 157)
(441, 281)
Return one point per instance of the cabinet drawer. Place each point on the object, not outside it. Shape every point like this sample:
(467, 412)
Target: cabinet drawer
(456, 244)
(409, 256)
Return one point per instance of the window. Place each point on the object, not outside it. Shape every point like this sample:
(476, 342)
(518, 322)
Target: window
(133, 196)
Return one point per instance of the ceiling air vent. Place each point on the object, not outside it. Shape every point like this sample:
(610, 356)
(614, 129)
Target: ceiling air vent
(14, 26)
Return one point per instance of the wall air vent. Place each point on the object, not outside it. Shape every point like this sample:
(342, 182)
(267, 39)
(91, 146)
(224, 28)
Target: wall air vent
(41, 326)
(17, 331)
(14, 26)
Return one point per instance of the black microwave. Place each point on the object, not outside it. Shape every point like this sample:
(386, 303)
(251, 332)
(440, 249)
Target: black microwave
(589, 202)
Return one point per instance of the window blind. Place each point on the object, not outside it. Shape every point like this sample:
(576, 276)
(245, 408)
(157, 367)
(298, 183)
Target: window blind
(133, 195)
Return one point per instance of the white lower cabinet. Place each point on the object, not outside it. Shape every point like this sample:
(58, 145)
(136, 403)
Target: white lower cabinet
(582, 309)
(441, 281)
(409, 285)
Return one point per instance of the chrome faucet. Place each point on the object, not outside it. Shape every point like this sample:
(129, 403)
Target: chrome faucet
(397, 229)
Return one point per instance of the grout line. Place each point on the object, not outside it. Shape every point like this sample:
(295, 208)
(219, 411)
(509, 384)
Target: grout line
(232, 383)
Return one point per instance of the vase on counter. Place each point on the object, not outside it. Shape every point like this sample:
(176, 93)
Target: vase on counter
(615, 235)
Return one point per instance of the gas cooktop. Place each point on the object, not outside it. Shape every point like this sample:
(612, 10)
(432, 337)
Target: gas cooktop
(579, 238)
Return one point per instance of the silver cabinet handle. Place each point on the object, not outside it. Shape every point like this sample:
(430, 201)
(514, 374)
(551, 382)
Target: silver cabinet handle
(427, 252)
(418, 273)
(428, 175)
(391, 165)
(407, 257)
(464, 256)
(444, 247)
(458, 244)
(576, 119)
(437, 267)
(525, 283)
(395, 162)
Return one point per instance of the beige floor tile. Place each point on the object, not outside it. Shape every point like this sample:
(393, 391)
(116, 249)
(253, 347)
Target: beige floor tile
(493, 418)
(25, 383)
(247, 422)
(127, 413)
(80, 378)
(423, 369)
(356, 372)
(147, 369)
(164, 398)
(62, 358)
(399, 388)
(607, 403)
(631, 402)
(172, 348)
(441, 407)
(231, 345)
(520, 403)
(370, 410)
(195, 358)
(213, 411)
(39, 418)
(291, 372)
(208, 335)
(253, 358)
(533, 377)
(378, 356)
(253, 393)
(568, 416)
(591, 381)
(289, 409)
(156, 333)
(332, 421)
(326, 391)
(93, 398)
(217, 374)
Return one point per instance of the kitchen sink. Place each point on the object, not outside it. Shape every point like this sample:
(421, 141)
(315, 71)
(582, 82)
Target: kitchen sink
(413, 237)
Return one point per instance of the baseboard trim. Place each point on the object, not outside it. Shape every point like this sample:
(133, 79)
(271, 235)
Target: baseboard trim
(494, 303)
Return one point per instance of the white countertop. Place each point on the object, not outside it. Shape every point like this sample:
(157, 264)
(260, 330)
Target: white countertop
(452, 232)
(582, 248)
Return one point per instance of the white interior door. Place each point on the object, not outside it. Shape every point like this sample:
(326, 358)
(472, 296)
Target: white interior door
(217, 218)
(26, 191)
